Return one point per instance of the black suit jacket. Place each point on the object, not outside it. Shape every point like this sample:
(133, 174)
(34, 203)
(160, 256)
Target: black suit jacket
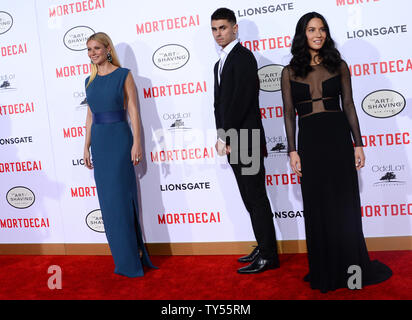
(237, 97)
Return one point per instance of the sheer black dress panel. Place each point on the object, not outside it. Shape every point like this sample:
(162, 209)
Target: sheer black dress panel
(320, 91)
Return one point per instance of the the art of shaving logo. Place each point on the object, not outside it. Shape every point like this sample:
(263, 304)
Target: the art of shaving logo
(270, 77)
(171, 57)
(75, 38)
(383, 103)
(389, 175)
(7, 83)
(6, 22)
(94, 221)
(177, 121)
(276, 146)
(20, 197)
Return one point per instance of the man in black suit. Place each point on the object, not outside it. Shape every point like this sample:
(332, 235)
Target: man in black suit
(241, 134)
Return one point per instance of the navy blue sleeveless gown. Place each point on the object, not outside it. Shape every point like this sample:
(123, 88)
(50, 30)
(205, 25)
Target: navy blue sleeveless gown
(111, 143)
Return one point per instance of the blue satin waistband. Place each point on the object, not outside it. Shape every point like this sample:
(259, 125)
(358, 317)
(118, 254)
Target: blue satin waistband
(109, 117)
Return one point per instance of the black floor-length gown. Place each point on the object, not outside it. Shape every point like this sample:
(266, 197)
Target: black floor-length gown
(329, 183)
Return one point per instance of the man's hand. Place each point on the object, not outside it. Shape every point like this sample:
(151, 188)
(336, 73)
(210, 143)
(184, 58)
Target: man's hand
(221, 148)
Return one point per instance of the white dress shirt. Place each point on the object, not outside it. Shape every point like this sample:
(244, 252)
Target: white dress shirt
(223, 55)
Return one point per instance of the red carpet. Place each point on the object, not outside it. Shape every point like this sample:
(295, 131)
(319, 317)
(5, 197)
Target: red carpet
(187, 278)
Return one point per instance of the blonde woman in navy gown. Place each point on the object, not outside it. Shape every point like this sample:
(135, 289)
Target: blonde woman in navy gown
(111, 95)
(313, 84)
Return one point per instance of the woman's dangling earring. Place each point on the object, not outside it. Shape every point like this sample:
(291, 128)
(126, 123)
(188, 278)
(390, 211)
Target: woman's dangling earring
(109, 57)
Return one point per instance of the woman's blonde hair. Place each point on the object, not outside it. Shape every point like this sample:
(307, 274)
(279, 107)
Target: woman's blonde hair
(105, 40)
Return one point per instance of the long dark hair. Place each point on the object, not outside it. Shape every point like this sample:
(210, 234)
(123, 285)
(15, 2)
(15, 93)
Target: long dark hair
(300, 62)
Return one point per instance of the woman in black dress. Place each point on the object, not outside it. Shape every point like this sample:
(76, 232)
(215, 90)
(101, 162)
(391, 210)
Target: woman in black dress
(312, 84)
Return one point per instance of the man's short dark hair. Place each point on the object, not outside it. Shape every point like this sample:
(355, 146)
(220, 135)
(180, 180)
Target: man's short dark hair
(224, 13)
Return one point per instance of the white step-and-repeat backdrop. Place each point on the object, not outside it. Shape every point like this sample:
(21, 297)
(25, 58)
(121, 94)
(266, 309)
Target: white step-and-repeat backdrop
(187, 193)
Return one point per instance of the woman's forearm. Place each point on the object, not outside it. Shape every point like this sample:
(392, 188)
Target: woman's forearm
(134, 121)
(88, 139)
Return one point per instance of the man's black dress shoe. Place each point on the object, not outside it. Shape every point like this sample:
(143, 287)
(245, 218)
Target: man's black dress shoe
(260, 265)
(251, 256)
